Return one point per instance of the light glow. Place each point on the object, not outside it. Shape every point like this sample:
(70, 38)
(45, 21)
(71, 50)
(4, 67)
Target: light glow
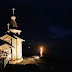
(41, 51)
(37, 57)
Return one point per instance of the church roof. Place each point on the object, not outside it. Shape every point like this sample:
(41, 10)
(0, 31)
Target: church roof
(11, 34)
(4, 42)
(14, 35)
(7, 36)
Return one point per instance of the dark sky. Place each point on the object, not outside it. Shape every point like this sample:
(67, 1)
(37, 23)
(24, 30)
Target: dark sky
(39, 19)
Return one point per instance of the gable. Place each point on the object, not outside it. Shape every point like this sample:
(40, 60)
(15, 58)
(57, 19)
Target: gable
(6, 38)
(4, 47)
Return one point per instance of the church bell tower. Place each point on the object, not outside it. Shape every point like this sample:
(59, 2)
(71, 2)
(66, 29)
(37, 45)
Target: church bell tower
(13, 22)
(13, 25)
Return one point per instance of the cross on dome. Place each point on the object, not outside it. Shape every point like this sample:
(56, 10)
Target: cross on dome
(13, 10)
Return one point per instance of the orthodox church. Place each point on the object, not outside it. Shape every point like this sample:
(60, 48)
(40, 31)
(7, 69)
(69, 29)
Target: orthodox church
(11, 44)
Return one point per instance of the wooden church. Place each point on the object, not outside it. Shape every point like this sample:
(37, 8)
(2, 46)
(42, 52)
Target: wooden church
(11, 44)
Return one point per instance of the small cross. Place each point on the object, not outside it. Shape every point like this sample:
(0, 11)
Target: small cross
(13, 10)
(8, 26)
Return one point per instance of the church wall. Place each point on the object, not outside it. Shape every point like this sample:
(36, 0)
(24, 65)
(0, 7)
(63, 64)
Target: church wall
(5, 50)
(5, 47)
(19, 48)
(14, 49)
(1, 48)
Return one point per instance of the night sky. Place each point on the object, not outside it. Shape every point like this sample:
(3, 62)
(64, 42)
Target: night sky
(42, 20)
(38, 19)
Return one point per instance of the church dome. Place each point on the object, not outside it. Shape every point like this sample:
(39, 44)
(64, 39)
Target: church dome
(13, 18)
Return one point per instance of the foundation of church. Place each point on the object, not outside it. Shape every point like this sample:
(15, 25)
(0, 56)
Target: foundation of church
(15, 61)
